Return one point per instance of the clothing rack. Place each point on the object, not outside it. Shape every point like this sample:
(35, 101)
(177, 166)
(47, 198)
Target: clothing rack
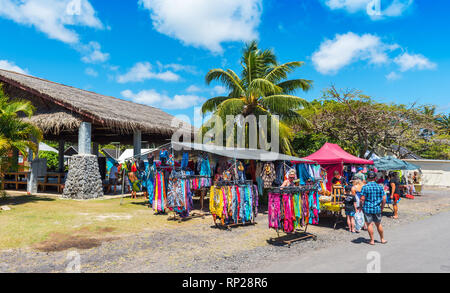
(232, 183)
(297, 234)
(241, 223)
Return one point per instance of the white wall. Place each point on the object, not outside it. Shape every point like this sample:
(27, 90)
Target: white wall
(434, 172)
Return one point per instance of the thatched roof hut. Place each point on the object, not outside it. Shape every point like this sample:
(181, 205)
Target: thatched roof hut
(60, 109)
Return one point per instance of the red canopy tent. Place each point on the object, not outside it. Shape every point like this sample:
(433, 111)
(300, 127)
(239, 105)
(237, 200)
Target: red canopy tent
(332, 157)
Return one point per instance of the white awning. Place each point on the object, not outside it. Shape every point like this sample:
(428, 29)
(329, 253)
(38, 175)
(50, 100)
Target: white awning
(238, 153)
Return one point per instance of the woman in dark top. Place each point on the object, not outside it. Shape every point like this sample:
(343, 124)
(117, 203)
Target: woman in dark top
(350, 208)
(394, 192)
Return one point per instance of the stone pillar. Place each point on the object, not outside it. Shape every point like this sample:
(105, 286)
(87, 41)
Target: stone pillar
(61, 156)
(137, 143)
(84, 180)
(84, 138)
(32, 179)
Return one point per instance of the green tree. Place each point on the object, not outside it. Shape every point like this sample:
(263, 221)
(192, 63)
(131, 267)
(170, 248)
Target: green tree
(443, 124)
(363, 126)
(262, 88)
(15, 133)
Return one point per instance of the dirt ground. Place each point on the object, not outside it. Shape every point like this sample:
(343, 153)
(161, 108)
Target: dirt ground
(193, 246)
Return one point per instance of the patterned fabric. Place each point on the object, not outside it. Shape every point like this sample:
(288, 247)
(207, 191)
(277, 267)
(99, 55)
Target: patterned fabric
(268, 174)
(373, 194)
(234, 203)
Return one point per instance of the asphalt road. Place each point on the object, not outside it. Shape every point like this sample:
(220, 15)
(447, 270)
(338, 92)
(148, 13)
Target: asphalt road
(423, 246)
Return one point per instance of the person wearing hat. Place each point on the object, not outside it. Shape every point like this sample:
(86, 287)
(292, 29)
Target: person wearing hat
(359, 174)
(373, 200)
(290, 181)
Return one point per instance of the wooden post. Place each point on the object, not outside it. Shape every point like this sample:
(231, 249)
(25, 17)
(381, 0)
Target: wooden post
(95, 149)
(61, 156)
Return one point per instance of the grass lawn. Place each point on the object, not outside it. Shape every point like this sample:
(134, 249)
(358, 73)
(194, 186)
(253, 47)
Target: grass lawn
(41, 222)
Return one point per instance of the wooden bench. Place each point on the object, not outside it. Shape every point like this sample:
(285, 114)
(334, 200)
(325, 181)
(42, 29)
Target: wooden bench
(59, 184)
(16, 181)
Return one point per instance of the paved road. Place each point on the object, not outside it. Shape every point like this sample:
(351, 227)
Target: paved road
(423, 246)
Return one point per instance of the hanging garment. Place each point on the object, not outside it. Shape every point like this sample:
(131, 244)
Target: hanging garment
(205, 167)
(159, 203)
(274, 210)
(288, 221)
(268, 174)
(303, 174)
(185, 161)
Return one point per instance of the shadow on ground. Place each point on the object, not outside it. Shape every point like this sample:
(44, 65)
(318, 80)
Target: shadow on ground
(24, 199)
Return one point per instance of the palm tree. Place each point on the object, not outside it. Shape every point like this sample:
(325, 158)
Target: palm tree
(261, 89)
(443, 123)
(15, 133)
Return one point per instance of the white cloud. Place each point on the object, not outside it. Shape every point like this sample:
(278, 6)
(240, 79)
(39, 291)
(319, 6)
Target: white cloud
(349, 5)
(52, 17)
(376, 10)
(393, 76)
(11, 66)
(91, 72)
(178, 67)
(143, 71)
(216, 91)
(220, 90)
(193, 89)
(417, 61)
(155, 99)
(348, 48)
(206, 23)
(92, 53)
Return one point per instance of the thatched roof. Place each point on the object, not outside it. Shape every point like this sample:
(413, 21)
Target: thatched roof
(66, 107)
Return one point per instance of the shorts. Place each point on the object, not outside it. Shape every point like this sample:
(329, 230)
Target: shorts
(372, 218)
(350, 213)
(113, 181)
(396, 198)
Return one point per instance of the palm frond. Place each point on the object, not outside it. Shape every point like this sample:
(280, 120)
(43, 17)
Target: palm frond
(212, 104)
(227, 78)
(291, 86)
(280, 72)
(282, 104)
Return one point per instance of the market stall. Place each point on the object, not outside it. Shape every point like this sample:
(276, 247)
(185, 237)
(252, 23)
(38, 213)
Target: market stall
(240, 175)
(405, 171)
(332, 158)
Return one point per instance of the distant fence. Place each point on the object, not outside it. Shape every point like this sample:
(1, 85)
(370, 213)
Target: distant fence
(434, 172)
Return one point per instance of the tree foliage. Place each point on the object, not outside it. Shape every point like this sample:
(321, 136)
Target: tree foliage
(363, 127)
(262, 88)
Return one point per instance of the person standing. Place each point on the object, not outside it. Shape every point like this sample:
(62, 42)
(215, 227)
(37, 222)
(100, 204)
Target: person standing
(357, 186)
(360, 175)
(350, 208)
(394, 192)
(113, 174)
(290, 181)
(373, 200)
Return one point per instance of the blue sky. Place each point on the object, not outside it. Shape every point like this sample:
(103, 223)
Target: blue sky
(157, 52)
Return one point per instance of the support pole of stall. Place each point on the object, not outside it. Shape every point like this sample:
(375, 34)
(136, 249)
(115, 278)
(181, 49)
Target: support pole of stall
(123, 186)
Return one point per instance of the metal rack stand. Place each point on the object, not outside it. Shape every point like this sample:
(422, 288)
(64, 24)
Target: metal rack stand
(297, 234)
